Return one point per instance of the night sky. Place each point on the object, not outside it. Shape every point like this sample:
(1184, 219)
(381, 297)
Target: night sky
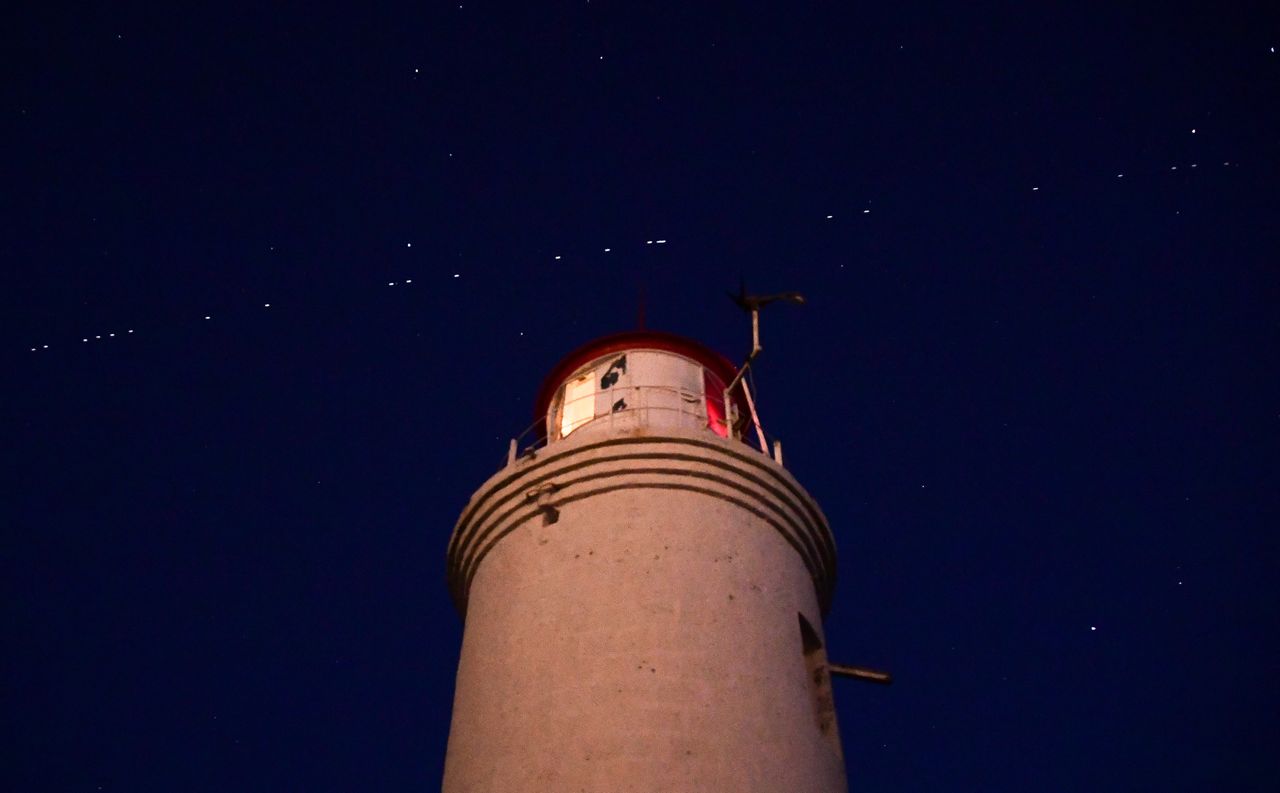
(1034, 387)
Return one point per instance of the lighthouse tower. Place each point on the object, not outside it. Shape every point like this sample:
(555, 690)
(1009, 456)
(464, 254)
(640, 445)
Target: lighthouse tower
(642, 594)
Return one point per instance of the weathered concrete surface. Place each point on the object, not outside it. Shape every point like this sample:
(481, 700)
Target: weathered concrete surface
(631, 623)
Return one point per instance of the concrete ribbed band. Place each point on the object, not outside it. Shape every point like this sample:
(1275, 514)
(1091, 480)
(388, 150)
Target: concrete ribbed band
(575, 469)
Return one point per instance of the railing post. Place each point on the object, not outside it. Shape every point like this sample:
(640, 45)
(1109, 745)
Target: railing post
(511, 452)
(728, 417)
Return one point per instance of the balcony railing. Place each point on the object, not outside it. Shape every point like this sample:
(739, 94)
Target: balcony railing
(629, 407)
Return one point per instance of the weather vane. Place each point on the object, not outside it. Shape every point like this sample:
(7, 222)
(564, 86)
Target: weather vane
(752, 305)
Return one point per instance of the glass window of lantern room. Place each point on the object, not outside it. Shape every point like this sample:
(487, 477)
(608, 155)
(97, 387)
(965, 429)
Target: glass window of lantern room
(673, 388)
(578, 404)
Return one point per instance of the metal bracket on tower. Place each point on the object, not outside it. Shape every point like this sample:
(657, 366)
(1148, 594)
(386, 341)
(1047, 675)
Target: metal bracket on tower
(541, 496)
(860, 673)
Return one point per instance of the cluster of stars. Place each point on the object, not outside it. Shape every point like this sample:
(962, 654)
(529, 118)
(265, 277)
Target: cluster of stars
(399, 283)
(87, 339)
(1226, 164)
(560, 256)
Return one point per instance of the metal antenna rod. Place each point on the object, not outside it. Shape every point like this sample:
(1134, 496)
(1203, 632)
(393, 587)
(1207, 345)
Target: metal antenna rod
(752, 304)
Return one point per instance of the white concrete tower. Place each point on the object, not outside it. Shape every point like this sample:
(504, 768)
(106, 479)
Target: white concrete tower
(642, 595)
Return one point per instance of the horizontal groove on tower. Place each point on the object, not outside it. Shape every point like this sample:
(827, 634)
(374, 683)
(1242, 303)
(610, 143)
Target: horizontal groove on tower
(570, 471)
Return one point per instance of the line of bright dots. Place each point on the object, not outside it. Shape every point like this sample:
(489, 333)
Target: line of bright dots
(406, 282)
(559, 257)
(1225, 164)
(82, 341)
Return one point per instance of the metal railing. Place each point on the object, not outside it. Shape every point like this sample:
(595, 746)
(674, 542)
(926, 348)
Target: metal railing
(638, 402)
(636, 405)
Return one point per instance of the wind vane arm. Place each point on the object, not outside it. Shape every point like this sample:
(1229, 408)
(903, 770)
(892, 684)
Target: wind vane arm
(752, 305)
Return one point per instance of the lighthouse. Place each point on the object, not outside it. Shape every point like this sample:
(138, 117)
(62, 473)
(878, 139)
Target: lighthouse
(642, 591)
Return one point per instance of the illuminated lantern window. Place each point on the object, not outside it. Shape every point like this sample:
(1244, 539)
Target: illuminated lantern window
(578, 404)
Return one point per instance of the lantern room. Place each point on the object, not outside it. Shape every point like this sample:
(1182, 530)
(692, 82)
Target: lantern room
(640, 380)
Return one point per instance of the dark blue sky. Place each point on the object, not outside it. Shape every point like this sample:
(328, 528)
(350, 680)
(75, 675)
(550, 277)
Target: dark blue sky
(1036, 399)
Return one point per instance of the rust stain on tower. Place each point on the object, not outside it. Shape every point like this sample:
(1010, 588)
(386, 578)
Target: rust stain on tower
(642, 593)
